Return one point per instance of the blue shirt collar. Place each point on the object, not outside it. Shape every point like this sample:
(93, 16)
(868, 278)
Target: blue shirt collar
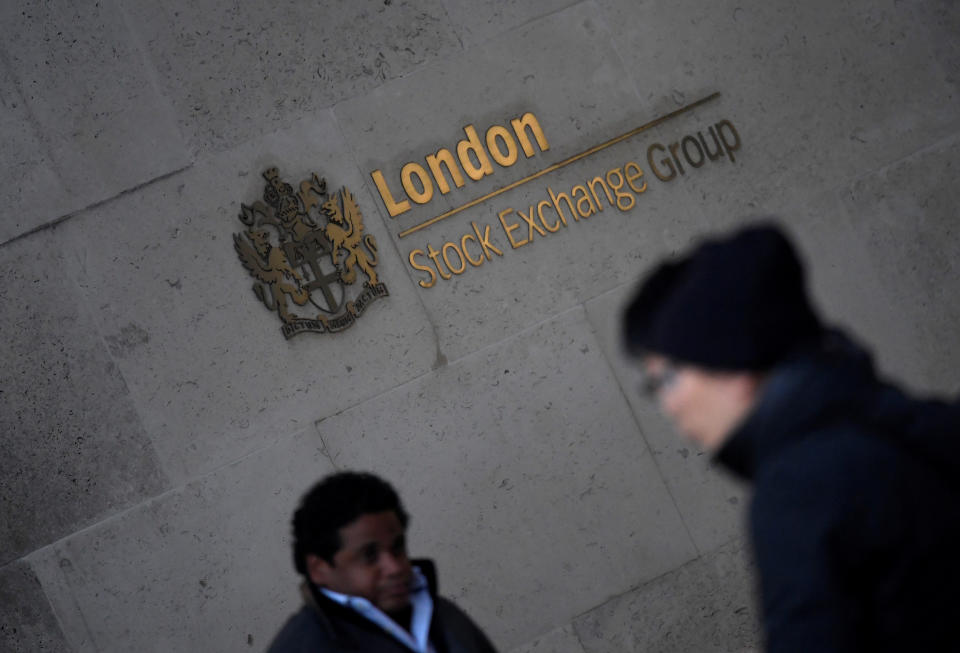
(417, 639)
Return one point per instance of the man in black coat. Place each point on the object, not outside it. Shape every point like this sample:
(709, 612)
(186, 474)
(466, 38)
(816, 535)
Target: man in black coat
(361, 590)
(855, 519)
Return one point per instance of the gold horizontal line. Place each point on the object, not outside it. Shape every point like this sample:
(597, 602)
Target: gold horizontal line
(557, 166)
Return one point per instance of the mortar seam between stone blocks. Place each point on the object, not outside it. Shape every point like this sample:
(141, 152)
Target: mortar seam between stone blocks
(640, 429)
(653, 579)
(528, 22)
(551, 629)
(148, 502)
(579, 306)
(137, 41)
(187, 481)
(41, 134)
(96, 205)
(418, 377)
(54, 547)
(517, 334)
(576, 634)
(26, 560)
(143, 505)
(164, 479)
(120, 514)
(76, 605)
(751, 598)
(84, 308)
(453, 26)
(884, 167)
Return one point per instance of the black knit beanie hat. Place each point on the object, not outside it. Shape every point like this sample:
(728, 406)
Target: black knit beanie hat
(734, 303)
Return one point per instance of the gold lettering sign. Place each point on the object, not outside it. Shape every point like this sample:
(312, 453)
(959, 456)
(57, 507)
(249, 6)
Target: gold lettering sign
(618, 188)
(473, 158)
(306, 250)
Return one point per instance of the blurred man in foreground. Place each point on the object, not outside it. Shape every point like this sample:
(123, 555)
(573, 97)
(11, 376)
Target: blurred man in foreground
(362, 592)
(856, 511)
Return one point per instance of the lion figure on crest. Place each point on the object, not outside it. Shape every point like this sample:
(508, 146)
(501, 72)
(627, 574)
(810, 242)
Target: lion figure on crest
(345, 231)
(270, 266)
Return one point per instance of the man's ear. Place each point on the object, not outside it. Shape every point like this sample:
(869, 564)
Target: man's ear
(318, 569)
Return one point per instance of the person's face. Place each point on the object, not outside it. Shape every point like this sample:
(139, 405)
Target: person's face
(704, 406)
(372, 562)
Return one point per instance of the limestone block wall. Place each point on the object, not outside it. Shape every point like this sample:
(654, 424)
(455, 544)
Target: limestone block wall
(157, 429)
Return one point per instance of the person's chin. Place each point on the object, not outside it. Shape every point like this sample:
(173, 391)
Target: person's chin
(395, 601)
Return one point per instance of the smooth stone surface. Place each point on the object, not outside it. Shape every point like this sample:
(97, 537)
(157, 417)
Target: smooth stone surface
(943, 19)
(27, 624)
(238, 70)
(710, 500)
(100, 126)
(705, 605)
(204, 568)
(843, 282)
(482, 20)
(559, 640)
(211, 374)
(31, 186)
(530, 485)
(591, 103)
(74, 447)
(913, 240)
(822, 91)
(874, 271)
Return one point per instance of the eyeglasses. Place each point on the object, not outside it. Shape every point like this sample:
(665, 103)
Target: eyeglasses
(652, 384)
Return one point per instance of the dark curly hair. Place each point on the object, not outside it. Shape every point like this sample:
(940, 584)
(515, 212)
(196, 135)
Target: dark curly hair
(334, 502)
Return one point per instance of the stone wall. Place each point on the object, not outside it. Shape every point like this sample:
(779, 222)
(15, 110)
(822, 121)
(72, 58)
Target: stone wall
(158, 429)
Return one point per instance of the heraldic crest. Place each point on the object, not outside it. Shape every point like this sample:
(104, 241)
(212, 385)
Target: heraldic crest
(306, 249)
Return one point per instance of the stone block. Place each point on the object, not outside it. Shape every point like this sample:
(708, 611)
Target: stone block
(559, 640)
(534, 272)
(207, 365)
(27, 624)
(906, 216)
(878, 254)
(74, 448)
(238, 70)
(526, 477)
(99, 125)
(712, 503)
(820, 92)
(206, 567)
(706, 605)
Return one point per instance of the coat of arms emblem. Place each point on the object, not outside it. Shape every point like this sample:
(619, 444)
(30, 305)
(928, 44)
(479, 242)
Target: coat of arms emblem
(306, 249)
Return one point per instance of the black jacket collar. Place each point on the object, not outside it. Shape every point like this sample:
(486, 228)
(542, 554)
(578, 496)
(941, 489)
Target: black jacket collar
(835, 382)
(831, 381)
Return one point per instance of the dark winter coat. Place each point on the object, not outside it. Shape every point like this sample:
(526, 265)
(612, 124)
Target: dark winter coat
(324, 626)
(855, 518)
